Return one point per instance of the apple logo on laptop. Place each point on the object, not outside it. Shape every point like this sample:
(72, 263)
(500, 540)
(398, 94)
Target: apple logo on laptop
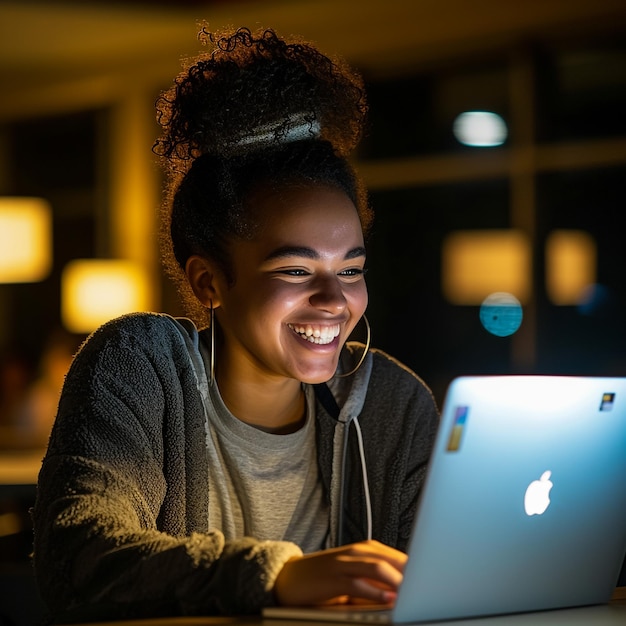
(537, 498)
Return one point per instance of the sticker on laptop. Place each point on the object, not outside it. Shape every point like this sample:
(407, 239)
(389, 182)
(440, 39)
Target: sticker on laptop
(460, 417)
(607, 401)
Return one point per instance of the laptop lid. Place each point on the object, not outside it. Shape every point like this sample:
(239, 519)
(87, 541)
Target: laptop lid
(524, 506)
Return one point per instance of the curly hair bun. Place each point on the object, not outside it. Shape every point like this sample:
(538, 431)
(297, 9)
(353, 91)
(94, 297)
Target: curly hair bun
(256, 89)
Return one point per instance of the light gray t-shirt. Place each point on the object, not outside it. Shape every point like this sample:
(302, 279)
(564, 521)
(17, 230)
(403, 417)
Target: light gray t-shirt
(265, 485)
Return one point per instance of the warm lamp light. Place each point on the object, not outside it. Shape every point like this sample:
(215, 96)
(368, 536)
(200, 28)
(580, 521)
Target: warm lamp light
(25, 239)
(570, 265)
(94, 291)
(476, 263)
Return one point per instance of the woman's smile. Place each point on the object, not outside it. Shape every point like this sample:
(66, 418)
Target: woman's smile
(315, 333)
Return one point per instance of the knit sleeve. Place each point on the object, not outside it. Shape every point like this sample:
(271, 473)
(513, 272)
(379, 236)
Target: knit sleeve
(106, 544)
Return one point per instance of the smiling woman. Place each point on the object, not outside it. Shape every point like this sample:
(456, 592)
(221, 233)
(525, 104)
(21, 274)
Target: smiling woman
(250, 455)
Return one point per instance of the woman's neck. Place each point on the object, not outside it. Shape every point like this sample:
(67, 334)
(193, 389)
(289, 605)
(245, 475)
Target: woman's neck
(272, 406)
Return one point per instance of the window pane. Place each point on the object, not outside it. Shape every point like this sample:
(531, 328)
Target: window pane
(415, 115)
(582, 91)
(589, 336)
(409, 315)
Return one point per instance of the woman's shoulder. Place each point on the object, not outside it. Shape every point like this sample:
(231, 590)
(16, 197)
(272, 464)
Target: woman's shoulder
(386, 364)
(389, 374)
(367, 363)
(142, 324)
(142, 332)
(382, 373)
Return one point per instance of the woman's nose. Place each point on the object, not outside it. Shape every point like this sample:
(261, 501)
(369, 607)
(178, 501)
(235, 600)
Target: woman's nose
(328, 295)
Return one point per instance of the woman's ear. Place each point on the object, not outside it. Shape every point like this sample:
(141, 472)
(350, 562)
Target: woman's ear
(203, 276)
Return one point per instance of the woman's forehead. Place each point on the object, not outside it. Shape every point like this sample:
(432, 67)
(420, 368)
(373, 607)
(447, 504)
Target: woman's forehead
(317, 218)
(292, 203)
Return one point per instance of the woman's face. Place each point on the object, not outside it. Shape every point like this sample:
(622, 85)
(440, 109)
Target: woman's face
(299, 287)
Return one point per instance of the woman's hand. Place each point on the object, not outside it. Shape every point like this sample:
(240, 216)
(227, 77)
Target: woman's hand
(366, 571)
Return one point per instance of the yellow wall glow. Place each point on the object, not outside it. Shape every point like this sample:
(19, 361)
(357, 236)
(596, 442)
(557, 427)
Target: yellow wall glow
(570, 265)
(25, 239)
(94, 291)
(476, 263)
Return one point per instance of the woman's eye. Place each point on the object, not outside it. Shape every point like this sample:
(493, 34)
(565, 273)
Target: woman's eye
(295, 272)
(353, 272)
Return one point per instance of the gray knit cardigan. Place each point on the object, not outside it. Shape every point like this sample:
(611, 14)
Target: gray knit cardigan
(121, 515)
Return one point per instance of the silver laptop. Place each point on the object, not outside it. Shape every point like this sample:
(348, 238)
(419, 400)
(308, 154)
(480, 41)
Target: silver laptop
(524, 506)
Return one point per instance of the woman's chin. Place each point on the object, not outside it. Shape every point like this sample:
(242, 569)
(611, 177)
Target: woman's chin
(318, 374)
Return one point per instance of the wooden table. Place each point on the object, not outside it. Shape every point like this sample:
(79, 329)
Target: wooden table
(613, 614)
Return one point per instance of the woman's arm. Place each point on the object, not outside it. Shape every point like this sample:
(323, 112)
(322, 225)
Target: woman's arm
(108, 540)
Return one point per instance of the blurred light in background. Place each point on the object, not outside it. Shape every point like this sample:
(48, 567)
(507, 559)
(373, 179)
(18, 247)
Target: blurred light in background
(480, 129)
(10, 524)
(476, 263)
(25, 239)
(94, 291)
(501, 314)
(570, 265)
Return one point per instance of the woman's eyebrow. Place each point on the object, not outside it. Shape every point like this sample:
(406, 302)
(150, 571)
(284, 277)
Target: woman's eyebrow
(309, 253)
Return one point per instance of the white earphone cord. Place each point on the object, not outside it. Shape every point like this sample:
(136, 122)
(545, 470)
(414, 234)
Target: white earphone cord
(366, 488)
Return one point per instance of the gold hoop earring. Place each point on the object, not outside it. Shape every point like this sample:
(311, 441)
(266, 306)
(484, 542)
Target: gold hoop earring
(367, 347)
(212, 359)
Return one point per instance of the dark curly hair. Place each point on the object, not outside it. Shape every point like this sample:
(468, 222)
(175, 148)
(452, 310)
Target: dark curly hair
(254, 111)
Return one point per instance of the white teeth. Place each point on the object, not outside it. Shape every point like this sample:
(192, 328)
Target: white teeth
(318, 334)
